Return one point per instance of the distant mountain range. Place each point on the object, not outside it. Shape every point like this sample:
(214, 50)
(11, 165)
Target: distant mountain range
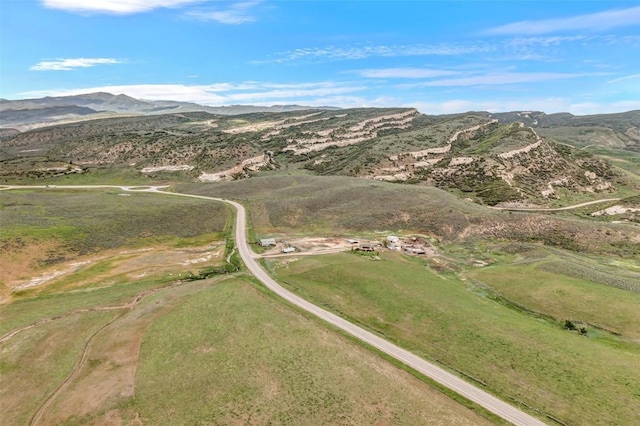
(25, 113)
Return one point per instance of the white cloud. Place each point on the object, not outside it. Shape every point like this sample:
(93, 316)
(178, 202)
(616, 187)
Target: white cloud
(629, 77)
(405, 73)
(175, 92)
(217, 94)
(498, 79)
(543, 41)
(362, 52)
(336, 94)
(588, 108)
(122, 7)
(237, 13)
(72, 63)
(548, 105)
(341, 101)
(599, 21)
(290, 93)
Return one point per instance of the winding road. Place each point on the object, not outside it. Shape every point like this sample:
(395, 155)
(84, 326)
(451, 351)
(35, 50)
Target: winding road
(489, 402)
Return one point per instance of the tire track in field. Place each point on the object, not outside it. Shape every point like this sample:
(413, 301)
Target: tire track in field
(555, 209)
(76, 376)
(87, 347)
(129, 305)
(76, 369)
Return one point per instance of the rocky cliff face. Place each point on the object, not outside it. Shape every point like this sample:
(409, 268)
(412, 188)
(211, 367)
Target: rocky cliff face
(474, 155)
(500, 163)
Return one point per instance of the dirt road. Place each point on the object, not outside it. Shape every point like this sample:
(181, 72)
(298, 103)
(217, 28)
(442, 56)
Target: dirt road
(557, 209)
(467, 390)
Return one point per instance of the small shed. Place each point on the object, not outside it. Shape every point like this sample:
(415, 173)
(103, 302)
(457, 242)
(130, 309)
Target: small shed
(288, 249)
(366, 247)
(266, 242)
(352, 241)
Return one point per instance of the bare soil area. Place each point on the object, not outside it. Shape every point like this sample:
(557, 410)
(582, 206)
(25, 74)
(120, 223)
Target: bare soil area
(23, 261)
(106, 372)
(26, 272)
(310, 246)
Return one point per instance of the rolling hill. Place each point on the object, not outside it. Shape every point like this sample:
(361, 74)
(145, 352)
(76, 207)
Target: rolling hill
(512, 159)
(620, 131)
(27, 114)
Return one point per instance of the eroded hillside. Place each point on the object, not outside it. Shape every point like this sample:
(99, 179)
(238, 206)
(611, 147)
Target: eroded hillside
(489, 159)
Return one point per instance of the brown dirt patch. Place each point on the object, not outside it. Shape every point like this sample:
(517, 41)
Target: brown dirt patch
(23, 259)
(107, 377)
(310, 245)
(133, 264)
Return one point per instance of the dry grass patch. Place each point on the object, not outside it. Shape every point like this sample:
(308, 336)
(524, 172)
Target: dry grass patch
(35, 362)
(106, 378)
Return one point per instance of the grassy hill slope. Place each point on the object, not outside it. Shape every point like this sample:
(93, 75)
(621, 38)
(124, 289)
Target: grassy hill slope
(334, 205)
(472, 155)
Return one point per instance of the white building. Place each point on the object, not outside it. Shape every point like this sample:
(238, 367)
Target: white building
(266, 242)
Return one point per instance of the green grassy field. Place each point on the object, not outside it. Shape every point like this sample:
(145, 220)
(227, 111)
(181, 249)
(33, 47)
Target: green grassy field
(35, 362)
(211, 352)
(231, 355)
(215, 352)
(502, 328)
(523, 358)
(77, 342)
(593, 292)
(624, 159)
(562, 297)
(44, 231)
(29, 309)
(93, 220)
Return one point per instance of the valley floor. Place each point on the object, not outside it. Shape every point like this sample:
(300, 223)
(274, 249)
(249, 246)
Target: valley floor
(133, 336)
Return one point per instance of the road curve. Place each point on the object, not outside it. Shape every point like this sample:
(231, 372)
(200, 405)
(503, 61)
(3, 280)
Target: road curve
(469, 391)
(461, 387)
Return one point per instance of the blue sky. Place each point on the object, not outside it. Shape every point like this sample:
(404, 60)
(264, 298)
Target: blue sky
(439, 56)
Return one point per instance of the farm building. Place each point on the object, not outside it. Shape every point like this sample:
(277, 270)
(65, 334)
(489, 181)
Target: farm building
(266, 242)
(393, 239)
(366, 247)
(288, 249)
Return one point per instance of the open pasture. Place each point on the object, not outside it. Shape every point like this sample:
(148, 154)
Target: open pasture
(527, 359)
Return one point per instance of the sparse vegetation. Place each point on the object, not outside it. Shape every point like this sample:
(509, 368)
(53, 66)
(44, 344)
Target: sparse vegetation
(333, 205)
(472, 153)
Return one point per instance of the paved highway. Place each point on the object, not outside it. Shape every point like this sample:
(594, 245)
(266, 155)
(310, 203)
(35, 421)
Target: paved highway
(469, 391)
